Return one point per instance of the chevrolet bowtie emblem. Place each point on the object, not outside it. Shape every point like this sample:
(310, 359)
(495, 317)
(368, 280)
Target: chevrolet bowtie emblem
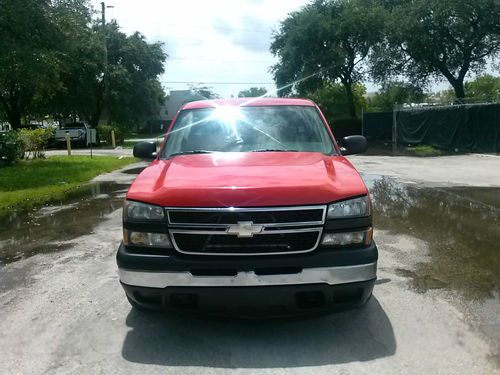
(244, 229)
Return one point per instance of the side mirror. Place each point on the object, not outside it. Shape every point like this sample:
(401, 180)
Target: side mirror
(145, 150)
(354, 144)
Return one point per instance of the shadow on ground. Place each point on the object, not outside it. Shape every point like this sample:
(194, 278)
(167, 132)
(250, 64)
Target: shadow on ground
(358, 335)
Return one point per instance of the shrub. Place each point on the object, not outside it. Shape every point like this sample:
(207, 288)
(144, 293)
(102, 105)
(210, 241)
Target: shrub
(9, 148)
(104, 134)
(33, 142)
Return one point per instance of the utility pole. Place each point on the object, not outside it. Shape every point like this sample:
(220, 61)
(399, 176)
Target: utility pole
(105, 61)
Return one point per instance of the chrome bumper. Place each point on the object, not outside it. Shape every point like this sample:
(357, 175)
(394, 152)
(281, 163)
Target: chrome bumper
(330, 276)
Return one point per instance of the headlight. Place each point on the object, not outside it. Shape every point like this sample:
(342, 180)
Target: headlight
(146, 239)
(348, 238)
(142, 211)
(350, 208)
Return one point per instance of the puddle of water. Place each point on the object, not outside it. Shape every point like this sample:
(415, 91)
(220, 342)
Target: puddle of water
(48, 229)
(460, 225)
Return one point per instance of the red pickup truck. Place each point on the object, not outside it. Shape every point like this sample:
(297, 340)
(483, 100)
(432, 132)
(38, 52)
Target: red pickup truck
(249, 208)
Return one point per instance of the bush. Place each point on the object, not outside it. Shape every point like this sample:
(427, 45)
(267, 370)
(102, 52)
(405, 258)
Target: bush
(9, 148)
(33, 142)
(343, 127)
(104, 134)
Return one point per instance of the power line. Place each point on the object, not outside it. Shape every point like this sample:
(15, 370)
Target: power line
(173, 38)
(180, 26)
(219, 83)
(220, 61)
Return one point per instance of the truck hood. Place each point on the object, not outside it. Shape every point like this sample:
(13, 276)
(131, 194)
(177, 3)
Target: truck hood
(247, 180)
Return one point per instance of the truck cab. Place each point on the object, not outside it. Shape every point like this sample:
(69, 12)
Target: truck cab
(249, 208)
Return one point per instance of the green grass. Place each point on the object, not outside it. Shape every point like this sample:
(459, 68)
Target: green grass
(424, 150)
(34, 182)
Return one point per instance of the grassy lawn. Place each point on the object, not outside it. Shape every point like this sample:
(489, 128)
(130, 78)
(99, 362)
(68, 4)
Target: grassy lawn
(35, 182)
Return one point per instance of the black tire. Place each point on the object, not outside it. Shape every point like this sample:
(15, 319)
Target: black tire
(138, 307)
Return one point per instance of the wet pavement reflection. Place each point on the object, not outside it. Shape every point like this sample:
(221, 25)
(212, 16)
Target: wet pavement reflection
(52, 228)
(461, 226)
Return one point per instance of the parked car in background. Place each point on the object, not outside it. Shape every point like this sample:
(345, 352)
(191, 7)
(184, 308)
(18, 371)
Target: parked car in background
(5, 127)
(77, 133)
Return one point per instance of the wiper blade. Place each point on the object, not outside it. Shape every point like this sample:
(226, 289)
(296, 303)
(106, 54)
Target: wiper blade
(274, 150)
(193, 152)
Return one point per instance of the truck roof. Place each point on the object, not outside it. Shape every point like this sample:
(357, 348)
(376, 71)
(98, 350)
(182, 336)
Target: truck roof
(248, 102)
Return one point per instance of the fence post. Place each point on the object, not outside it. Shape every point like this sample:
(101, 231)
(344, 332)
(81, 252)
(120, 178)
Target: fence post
(68, 143)
(394, 130)
(113, 141)
(362, 121)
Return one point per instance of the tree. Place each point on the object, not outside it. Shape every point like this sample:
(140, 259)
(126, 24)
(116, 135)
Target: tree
(52, 62)
(441, 39)
(252, 92)
(29, 41)
(485, 88)
(326, 41)
(333, 102)
(203, 92)
(136, 95)
(134, 65)
(396, 92)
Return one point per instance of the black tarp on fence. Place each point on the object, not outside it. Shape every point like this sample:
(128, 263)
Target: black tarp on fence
(377, 125)
(472, 128)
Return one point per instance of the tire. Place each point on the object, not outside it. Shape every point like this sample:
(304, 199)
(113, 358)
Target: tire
(139, 308)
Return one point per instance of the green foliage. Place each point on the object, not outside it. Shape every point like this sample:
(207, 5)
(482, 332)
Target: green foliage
(203, 92)
(52, 63)
(29, 45)
(395, 92)
(33, 142)
(135, 94)
(483, 89)
(9, 148)
(326, 41)
(252, 92)
(34, 182)
(104, 134)
(441, 39)
(332, 100)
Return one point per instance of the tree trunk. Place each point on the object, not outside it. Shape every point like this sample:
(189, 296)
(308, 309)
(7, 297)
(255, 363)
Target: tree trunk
(12, 111)
(14, 118)
(458, 87)
(350, 99)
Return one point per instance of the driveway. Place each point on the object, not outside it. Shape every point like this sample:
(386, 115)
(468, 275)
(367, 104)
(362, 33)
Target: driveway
(435, 307)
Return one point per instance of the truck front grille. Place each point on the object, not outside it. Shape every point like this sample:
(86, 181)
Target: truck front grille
(314, 215)
(246, 231)
(222, 244)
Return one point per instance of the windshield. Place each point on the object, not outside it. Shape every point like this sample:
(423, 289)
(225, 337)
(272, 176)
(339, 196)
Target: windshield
(248, 129)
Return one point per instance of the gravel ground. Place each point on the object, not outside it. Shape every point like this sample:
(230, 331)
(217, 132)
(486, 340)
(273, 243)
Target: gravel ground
(65, 312)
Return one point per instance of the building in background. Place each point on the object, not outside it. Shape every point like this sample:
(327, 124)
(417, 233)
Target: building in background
(175, 100)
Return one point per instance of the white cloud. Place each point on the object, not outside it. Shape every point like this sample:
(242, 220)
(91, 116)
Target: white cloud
(208, 41)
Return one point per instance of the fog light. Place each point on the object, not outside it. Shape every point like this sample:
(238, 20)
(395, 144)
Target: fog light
(347, 238)
(146, 239)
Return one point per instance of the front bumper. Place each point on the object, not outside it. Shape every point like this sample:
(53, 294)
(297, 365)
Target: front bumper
(300, 284)
(253, 301)
(325, 275)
